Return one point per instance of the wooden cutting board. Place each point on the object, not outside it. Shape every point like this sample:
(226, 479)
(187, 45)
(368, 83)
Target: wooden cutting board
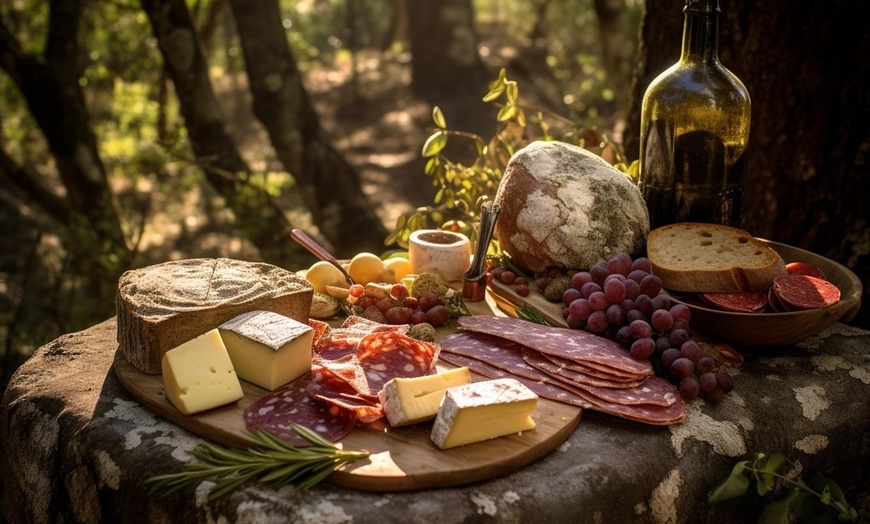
(401, 458)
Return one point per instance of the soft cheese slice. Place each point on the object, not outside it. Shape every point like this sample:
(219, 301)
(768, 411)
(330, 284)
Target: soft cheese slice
(268, 349)
(412, 400)
(483, 410)
(198, 375)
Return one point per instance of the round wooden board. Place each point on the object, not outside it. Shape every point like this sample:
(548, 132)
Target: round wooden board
(402, 458)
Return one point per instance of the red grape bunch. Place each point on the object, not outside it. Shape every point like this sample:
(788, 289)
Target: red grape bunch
(622, 299)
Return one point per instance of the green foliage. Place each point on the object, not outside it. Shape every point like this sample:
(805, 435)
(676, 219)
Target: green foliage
(464, 186)
(819, 501)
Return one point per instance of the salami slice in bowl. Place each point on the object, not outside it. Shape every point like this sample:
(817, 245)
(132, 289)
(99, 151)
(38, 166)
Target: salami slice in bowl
(803, 268)
(744, 302)
(804, 292)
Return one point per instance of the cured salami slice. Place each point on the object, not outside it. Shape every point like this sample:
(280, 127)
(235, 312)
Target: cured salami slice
(387, 355)
(645, 413)
(804, 292)
(743, 302)
(275, 412)
(325, 388)
(571, 344)
(803, 268)
(596, 370)
(344, 340)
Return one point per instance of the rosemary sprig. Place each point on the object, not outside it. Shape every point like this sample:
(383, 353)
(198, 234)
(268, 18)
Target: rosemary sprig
(532, 314)
(270, 460)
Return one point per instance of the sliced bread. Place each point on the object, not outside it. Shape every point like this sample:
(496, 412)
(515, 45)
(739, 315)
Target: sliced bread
(711, 258)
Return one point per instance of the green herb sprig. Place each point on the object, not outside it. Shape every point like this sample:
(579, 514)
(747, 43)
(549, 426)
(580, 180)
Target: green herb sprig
(532, 314)
(270, 460)
(818, 501)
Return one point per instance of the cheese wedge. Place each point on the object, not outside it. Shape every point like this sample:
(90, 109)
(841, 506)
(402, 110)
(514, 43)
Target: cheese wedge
(483, 410)
(268, 349)
(198, 375)
(409, 401)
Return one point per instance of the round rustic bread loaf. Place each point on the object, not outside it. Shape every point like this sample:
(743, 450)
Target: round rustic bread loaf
(564, 206)
(164, 305)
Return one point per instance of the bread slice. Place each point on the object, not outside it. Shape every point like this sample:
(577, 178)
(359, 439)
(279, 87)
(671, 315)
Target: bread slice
(711, 258)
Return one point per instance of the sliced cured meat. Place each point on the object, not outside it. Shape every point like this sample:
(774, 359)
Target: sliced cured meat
(291, 404)
(773, 301)
(321, 329)
(805, 292)
(596, 370)
(803, 268)
(645, 413)
(325, 388)
(344, 340)
(387, 355)
(743, 302)
(572, 344)
(527, 363)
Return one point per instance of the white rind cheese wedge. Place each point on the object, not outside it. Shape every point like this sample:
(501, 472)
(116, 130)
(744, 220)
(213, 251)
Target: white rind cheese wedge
(409, 401)
(198, 375)
(483, 410)
(268, 349)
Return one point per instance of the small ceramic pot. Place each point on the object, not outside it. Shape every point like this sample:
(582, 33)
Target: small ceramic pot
(438, 251)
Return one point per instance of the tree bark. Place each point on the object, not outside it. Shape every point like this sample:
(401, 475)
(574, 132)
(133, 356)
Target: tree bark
(257, 215)
(612, 32)
(329, 184)
(809, 80)
(50, 85)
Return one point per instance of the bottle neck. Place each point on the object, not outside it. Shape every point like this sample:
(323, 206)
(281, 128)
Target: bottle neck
(700, 31)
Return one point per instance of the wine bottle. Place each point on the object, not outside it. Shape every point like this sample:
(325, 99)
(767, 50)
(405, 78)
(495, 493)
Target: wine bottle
(695, 131)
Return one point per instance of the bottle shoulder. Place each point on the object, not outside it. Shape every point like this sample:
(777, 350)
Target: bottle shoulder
(712, 81)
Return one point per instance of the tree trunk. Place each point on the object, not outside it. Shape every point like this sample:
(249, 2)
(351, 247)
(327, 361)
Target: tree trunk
(612, 32)
(50, 85)
(807, 176)
(328, 183)
(444, 47)
(257, 215)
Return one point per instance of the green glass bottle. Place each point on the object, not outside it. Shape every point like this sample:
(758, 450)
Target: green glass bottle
(694, 131)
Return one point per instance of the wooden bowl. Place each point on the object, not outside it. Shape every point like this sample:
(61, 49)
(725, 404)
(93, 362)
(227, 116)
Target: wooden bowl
(779, 329)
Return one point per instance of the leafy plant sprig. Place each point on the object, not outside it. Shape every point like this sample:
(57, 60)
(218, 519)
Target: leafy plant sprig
(270, 460)
(818, 501)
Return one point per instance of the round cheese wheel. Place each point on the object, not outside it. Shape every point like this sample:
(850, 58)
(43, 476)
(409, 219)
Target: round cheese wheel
(564, 206)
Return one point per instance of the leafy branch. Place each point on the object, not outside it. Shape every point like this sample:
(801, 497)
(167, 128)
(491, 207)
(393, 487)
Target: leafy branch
(819, 501)
(271, 460)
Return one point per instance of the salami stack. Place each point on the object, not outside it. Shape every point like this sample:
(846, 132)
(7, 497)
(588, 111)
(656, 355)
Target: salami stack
(565, 365)
(349, 367)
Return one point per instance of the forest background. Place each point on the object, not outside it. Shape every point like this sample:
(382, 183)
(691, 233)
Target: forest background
(139, 132)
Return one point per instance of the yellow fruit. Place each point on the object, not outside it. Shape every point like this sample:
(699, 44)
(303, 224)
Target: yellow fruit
(399, 267)
(365, 268)
(322, 274)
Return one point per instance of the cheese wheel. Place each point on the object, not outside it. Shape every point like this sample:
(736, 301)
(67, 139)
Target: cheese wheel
(162, 306)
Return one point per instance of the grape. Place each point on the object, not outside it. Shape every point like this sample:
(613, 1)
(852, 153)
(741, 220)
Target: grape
(682, 367)
(642, 348)
(651, 285)
(640, 329)
(662, 320)
(681, 323)
(428, 299)
(677, 336)
(643, 304)
(398, 315)
(637, 275)
(542, 282)
(661, 301)
(411, 302)
(521, 281)
(669, 356)
(632, 289)
(623, 336)
(508, 276)
(680, 312)
(691, 351)
(580, 278)
(580, 309)
(627, 305)
(437, 315)
(571, 294)
(641, 263)
(599, 272)
(399, 291)
(385, 303)
(589, 288)
(626, 260)
(689, 388)
(614, 290)
(615, 315)
(705, 365)
(574, 323)
(634, 314)
(725, 382)
(707, 381)
(715, 396)
(497, 271)
(615, 266)
(598, 301)
(375, 314)
(597, 322)
(662, 343)
(418, 317)
(522, 290)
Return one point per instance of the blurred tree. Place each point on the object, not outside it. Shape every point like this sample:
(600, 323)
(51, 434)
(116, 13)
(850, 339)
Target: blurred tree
(809, 81)
(329, 184)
